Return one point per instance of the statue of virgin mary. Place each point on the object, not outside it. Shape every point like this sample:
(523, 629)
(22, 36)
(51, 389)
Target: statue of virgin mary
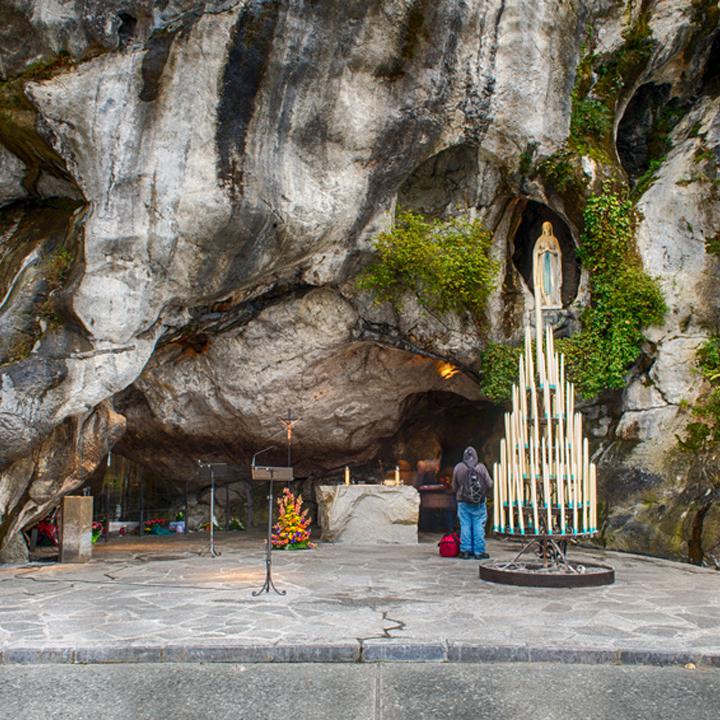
(547, 268)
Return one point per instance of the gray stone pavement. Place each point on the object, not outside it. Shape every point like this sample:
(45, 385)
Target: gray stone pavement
(157, 599)
(376, 691)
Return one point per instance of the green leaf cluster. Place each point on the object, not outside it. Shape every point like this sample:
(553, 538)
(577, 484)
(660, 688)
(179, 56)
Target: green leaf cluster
(590, 118)
(445, 263)
(704, 432)
(623, 299)
(499, 369)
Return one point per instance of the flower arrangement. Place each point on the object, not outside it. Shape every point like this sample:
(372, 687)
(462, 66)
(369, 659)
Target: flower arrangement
(155, 522)
(97, 529)
(292, 530)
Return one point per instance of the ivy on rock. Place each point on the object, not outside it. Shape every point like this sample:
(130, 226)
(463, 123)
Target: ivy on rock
(446, 264)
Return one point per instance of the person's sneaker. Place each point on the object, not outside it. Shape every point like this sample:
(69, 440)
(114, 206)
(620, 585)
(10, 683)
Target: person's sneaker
(482, 556)
(465, 555)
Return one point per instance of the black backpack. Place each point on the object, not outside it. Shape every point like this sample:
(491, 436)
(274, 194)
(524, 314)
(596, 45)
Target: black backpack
(475, 487)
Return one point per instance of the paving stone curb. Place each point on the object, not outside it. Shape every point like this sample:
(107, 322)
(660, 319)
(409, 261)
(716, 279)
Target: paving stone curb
(364, 651)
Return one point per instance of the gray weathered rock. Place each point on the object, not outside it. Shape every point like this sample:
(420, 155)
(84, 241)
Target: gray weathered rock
(229, 163)
(368, 514)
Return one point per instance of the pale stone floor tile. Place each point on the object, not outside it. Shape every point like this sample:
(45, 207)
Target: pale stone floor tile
(340, 593)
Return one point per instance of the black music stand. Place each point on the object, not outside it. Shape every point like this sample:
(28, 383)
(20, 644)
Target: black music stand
(269, 473)
(211, 551)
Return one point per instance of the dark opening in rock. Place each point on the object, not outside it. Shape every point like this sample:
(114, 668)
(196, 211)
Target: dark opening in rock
(711, 76)
(533, 216)
(440, 425)
(443, 184)
(641, 128)
(126, 29)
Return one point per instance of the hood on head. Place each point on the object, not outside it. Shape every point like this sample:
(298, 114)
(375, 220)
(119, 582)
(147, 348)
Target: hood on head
(470, 457)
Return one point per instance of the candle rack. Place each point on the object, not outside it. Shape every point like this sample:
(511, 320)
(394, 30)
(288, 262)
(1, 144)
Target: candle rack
(545, 489)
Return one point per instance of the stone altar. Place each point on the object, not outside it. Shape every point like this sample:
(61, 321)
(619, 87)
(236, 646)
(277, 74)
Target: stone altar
(368, 514)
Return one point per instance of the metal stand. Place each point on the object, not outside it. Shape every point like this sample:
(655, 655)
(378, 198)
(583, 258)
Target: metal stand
(553, 570)
(268, 546)
(211, 551)
(284, 474)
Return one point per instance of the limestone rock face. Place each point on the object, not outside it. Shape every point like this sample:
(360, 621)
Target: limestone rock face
(680, 212)
(189, 189)
(368, 514)
(31, 486)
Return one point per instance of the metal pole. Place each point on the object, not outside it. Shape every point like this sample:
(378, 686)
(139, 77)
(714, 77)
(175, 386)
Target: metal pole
(106, 529)
(141, 527)
(227, 507)
(268, 548)
(212, 512)
(186, 505)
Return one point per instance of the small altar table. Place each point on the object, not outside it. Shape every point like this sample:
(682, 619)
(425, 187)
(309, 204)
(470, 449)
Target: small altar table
(368, 514)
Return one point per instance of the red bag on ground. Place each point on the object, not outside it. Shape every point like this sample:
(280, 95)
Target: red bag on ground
(449, 545)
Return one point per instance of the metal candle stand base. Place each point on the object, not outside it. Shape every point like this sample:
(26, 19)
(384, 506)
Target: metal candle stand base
(269, 473)
(553, 570)
(268, 584)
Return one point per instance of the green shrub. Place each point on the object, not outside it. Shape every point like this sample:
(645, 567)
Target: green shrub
(590, 118)
(445, 263)
(702, 434)
(499, 368)
(624, 299)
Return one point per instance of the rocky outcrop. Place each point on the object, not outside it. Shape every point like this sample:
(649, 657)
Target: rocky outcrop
(61, 463)
(189, 190)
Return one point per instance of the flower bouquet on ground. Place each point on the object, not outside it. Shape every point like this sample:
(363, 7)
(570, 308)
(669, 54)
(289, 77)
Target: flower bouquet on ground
(292, 530)
(156, 526)
(97, 530)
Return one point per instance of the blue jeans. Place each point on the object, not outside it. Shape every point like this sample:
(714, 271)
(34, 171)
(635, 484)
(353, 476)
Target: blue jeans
(472, 518)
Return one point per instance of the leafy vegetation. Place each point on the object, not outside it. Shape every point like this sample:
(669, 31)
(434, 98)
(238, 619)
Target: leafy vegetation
(499, 368)
(704, 432)
(623, 299)
(445, 263)
(712, 244)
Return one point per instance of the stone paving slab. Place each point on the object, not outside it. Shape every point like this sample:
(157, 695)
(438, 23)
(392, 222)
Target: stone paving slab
(161, 600)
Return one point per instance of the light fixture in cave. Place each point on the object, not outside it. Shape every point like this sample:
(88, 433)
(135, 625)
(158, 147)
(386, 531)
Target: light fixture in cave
(447, 370)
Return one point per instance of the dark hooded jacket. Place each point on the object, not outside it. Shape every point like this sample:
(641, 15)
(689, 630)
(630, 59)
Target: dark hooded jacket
(461, 474)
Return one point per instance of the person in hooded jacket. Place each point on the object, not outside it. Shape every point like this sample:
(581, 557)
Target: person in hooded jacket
(472, 515)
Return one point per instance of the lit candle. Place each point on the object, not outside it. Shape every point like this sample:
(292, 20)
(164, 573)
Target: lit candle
(397, 474)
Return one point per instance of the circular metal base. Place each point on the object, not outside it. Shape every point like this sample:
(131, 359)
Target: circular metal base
(539, 575)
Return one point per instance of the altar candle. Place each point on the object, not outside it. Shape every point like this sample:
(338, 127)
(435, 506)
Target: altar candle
(397, 474)
(496, 495)
(593, 497)
(561, 496)
(538, 336)
(533, 486)
(546, 487)
(528, 356)
(586, 485)
(347, 475)
(518, 491)
(572, 485)
(509, 486)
